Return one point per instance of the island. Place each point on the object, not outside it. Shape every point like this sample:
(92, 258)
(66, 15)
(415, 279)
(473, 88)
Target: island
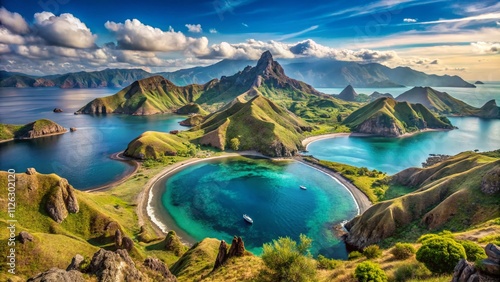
(36, 129)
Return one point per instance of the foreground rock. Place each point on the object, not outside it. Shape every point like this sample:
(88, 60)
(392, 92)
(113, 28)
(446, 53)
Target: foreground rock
(62, 201)
(58, 275)
(237, 249)
(25, 237)
(114, 266)
(489, 271)
(160, 267)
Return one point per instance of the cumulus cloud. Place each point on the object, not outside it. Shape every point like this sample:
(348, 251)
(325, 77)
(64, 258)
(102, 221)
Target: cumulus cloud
(134, 35)
(64, 30)
(213, 30)
(410, 20)
(195, 28)
(486, 47)
(14, 22)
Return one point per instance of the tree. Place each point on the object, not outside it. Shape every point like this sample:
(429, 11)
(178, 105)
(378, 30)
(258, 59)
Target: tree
(288, 260)
(369, 271)
(440, 254)
(234, 144)
(372, 251)
(339, 118)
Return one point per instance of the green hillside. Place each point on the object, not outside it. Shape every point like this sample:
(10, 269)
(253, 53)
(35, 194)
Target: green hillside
(444, 103)
(258, 124)
(388, 117)
(450, 195)
(153, 145)
(38, 128)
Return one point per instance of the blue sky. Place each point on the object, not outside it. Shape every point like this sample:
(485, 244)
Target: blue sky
(452, 37)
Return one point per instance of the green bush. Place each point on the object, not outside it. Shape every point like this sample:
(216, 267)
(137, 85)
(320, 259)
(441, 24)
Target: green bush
(403, 251)
(369, 272)
(473, 251)
(354, 255)
(406, 272)
(288, 260)
(440, 254)
(372, 251)
(326, 263)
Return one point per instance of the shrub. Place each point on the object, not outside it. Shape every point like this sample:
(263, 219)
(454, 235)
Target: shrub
(369, 271)
(372, 251)
(472, 250)
(354, 255)
(406, 272)
(326, 263)
(234, 144)
(440, 254)
(288, 260)
(402, 251)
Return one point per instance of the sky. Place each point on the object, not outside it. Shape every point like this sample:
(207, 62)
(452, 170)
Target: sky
(43, 37)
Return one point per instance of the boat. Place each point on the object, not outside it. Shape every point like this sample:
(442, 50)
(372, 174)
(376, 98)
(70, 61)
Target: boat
(248, 219)
(303, 187)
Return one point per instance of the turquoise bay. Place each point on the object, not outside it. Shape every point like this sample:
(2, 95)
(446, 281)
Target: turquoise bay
(208, 199)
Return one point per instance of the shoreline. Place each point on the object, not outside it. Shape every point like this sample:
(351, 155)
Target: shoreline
(45, 135)
(119, 157)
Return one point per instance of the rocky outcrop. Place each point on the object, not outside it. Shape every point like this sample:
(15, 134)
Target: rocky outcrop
(489, 269)
(118, 239)
(381, 126)
(237, 249)
(58, 275)
(127, 244)
(61, 201)
(57, 110)
(39, 128)
(76, 262)
(160, 267)
(348, 94)
(111, 266)
(24, 237)
(31, 171)
(173, 243)
(490, 184)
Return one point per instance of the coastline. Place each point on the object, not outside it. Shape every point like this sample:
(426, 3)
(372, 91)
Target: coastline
(119, 157)
(45, 135)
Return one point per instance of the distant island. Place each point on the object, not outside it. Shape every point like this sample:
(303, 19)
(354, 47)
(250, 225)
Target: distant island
(36, 129)
(478, 82)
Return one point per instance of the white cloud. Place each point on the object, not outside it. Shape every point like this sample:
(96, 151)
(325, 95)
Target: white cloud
(195, 28)
(486, 47)
(64, 30)
(7, 37)
(14, 22)
(134, 35)
(213, 30)
(244, 24)
(410, 20)
(482, 17)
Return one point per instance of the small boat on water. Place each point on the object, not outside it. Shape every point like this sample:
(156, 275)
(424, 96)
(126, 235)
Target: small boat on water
(248, 219)
(303, 187)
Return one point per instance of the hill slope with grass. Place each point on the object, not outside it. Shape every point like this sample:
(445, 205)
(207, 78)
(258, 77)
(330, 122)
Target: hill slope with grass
(258, 124)
(153, 145)
(388, 117)
(444, 103)
(454, 194)
(38, 128)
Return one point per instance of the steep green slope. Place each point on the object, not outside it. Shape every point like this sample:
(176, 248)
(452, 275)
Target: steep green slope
(191, 108)
(448, 195)
(388, 117)
(38, 128)
(259, 124)
(152, 145)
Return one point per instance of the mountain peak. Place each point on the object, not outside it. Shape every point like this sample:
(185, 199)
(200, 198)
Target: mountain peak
(348, 94)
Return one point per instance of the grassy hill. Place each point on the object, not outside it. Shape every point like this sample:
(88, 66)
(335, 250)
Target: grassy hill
(388, 117)
(38, 128)
(444, 103)
(153, 145)
(448, 195)
(258, 124)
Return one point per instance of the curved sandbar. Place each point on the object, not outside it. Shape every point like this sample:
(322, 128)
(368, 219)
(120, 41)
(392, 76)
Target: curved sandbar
(147, 208)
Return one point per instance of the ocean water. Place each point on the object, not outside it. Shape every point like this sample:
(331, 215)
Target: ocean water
(208, 199)
(395, 154)
(83, 156)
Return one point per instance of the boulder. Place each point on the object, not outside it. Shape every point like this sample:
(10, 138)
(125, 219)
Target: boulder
(31, 171)
(118, 239)
(493, 252)
(111, 266)
(58, 275)
(25, 237)
(221, 256)
(72, 129)
(462, 271)
(490, 184)
(158, 266)
(237, 247)
(127, 243)
(491, 267)
(76, 261)
(57, 110)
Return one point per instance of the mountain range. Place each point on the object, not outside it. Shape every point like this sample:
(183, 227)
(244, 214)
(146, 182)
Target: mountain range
(318, 72)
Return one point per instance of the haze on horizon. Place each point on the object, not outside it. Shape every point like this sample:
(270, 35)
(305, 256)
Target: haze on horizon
(437, 37)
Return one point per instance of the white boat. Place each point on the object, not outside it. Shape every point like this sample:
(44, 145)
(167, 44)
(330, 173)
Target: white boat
(303, 187)
(247, 218)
